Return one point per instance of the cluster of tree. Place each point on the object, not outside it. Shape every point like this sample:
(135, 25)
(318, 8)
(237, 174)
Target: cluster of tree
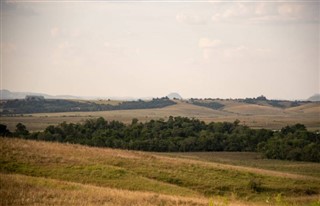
(285, 104)
(210, 104)
(4, 132)
(20, 131)
(292, 143)
(275, 103)
(181, 134)
(59, 105)
(140, 104)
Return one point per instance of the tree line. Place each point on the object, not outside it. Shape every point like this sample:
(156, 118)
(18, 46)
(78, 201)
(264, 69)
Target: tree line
(182, 134)
(211, 105)
(275, 103)
(60, 105)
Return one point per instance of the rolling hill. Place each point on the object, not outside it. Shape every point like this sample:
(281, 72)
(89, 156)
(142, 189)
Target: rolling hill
(33, 172)
(174, 95)
(256, 116)
(314, 98)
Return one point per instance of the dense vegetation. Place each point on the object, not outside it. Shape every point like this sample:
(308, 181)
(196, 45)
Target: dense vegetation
(184, 135)
(292, 143)
(59, 105)
(211, 105)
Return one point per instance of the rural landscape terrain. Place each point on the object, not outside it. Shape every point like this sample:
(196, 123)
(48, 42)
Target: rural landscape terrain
(193, 173)
(256, 114)
(159, 103)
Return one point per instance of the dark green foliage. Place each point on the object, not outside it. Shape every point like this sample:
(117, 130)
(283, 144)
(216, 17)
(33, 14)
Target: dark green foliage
(4, 132)
(276, 103)
(59, 105)
(182, 134)
(262, 100)
(211, 105)
(21, 130)
(293, 143)
(295, 104)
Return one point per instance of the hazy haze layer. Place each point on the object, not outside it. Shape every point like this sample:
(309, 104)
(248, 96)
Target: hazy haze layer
(138, 49)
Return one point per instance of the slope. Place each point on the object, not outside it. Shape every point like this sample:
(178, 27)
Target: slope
(113, 170)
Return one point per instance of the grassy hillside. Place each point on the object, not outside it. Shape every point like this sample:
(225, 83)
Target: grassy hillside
(255, 116)
(27, 190)
(41, 173)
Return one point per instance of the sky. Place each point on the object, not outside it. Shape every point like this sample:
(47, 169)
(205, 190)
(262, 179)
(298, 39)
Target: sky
(216, 49)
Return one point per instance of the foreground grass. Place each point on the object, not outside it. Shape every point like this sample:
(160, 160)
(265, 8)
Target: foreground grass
(29, 162)
(26, 190)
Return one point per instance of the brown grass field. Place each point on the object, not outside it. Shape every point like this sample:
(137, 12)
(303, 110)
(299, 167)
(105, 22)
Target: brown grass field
(255, 116)
(43, 173)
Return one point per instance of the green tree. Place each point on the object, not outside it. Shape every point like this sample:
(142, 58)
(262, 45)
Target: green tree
(4, 131)
(21, 130)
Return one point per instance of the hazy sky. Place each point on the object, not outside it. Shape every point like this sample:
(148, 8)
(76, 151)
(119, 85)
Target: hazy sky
(138, 49)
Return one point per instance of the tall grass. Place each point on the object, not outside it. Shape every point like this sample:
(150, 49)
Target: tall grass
(26, 190)
(74, 166)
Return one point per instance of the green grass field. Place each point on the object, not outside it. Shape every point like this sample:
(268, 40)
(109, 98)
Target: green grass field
(252, 160)
(255, 116)
(33, 172)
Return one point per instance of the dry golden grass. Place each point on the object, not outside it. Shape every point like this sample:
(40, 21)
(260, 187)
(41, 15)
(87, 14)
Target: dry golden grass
(25, 190)
(315, 107)
(76, 154)
(42, 173)
(253, 109)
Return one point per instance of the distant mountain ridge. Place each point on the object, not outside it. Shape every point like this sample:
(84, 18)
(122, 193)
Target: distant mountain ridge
(6, 94)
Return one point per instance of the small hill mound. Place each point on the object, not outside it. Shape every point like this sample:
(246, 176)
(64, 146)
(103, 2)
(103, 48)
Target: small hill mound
(314, 98)
(174, 95)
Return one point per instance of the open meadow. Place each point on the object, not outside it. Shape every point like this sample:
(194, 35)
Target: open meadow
(40, 173)
(255, 116)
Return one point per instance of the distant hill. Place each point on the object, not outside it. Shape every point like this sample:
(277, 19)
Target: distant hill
(6, 94)
(314, 98)
(174, 96)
